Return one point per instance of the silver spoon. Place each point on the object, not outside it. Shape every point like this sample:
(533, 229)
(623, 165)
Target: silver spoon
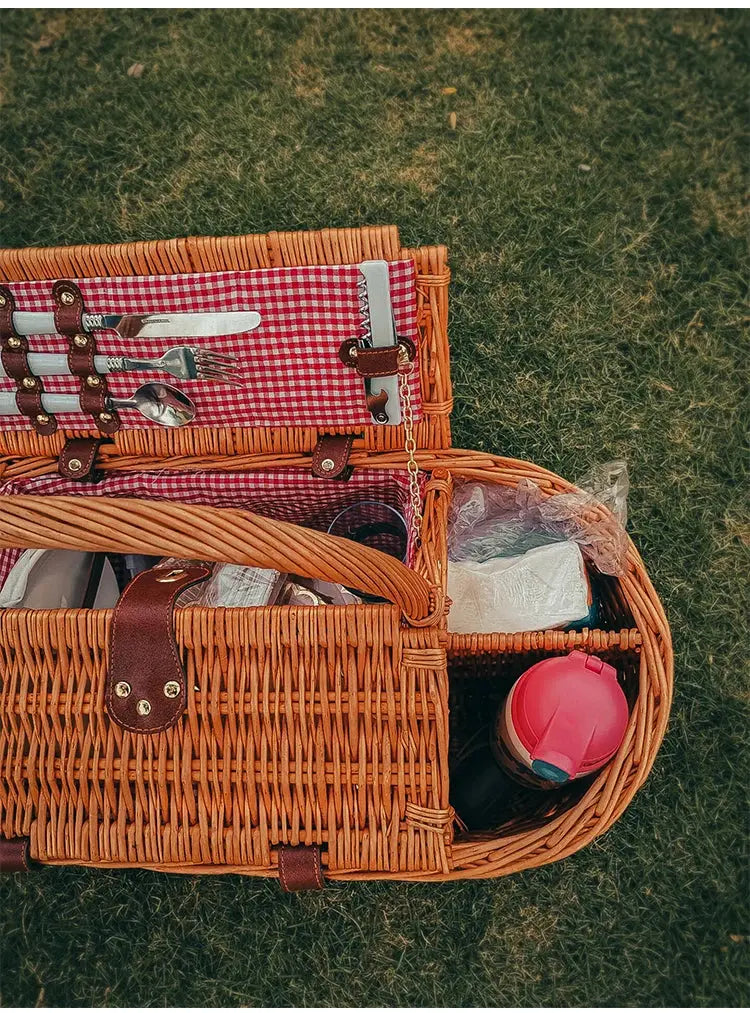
(158, 402)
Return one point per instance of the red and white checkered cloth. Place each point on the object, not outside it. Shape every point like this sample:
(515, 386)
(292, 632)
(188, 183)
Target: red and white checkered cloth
(287, 494)
(289, 364)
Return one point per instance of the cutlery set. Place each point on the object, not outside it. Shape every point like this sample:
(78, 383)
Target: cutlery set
(160, 403)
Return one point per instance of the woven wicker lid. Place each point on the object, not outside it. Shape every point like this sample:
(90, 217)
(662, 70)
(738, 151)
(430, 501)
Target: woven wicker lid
(246, 253)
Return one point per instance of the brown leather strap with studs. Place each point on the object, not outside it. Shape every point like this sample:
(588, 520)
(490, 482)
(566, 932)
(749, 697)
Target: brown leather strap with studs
(14, 349)
(69, 310)
(14, 855)
(146, 689)
(77, 458)
(331, 457)
(300, 868)
(374, 362)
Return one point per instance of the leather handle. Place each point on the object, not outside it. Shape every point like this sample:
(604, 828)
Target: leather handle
(101, 524)
(146, 689)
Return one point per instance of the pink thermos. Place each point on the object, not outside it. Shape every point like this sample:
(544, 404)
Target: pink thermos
(563, 719)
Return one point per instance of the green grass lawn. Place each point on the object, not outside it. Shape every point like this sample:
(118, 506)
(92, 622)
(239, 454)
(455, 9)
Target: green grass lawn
(586, 170)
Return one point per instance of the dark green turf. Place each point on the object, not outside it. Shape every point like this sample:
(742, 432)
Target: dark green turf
(591, 195)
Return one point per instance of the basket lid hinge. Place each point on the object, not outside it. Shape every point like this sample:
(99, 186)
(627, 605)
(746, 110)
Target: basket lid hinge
(300, 868)
(14, 854)
(331, 457)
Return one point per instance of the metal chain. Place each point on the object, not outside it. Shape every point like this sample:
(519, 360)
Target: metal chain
(406, 367)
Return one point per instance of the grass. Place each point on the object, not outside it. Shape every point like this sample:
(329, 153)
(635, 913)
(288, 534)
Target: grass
(591, 193)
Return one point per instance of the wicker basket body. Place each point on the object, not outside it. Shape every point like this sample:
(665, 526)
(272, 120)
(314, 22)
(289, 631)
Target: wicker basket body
(330, 726)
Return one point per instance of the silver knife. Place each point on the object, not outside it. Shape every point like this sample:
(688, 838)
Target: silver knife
(146, 325)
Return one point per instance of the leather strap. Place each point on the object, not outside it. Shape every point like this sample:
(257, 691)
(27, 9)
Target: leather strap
(78, 458)
(69, 310)
(331, 457)
(300, 868)
(14, 350)
(374, 362)
(146, 689)
(14, 855)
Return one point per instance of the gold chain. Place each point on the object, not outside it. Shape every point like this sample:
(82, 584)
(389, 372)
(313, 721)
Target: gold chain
(410, 444)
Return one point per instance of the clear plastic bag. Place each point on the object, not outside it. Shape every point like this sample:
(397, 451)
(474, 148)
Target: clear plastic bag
(489, 521)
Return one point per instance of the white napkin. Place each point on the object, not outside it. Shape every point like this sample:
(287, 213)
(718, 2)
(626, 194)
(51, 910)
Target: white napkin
(546, 587)
(47, 578)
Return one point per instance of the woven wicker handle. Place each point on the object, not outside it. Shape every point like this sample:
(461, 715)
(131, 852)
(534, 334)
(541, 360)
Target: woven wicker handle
(224, 535)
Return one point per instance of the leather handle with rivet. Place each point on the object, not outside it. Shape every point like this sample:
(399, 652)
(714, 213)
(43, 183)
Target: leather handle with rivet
(146, 690)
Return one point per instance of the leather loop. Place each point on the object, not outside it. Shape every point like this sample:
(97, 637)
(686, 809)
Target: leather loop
(14, 350)
(14, 855)
(375, 362)
(331, 457)
(146, 689)
(78, 458)
(7, 309)
(68, 308)
(300, 868)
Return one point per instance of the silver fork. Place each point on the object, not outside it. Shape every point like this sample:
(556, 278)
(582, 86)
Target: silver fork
(183, 361)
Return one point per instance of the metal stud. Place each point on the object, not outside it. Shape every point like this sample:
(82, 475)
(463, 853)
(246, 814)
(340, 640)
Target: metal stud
(122, 689)
(327, 464)
(144, 708)
(93, 381)
(75, 465)
(14, 342)
(3, 300)
(80, 340)
(29, 382)
(171, 689)
(67, 298)
(169, 577)
(105, 416)
(42, 419)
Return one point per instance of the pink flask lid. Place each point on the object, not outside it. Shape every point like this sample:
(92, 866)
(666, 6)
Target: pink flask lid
(570, 715)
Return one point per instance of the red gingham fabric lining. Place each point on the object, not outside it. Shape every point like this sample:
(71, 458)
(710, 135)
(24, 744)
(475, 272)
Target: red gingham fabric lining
(289, 364)
(287, 494)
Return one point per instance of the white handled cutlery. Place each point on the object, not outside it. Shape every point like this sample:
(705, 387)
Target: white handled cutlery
(158, 402)
(146, 325)
(183, 362)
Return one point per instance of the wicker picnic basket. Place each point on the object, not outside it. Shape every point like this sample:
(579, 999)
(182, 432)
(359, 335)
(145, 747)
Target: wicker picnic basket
(310, 742)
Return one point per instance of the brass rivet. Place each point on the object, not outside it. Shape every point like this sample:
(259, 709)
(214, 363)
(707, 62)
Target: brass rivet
(144, 708)
(29, 382)
(122, 689)
(3, 300)
(171, 689)
(67, 298)
(170, 576)
(327, 464)
(93, 381)
(14, 342)
(75, 464)
(42, 419)
(80, 340)
(353, 353)
(105, 416)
